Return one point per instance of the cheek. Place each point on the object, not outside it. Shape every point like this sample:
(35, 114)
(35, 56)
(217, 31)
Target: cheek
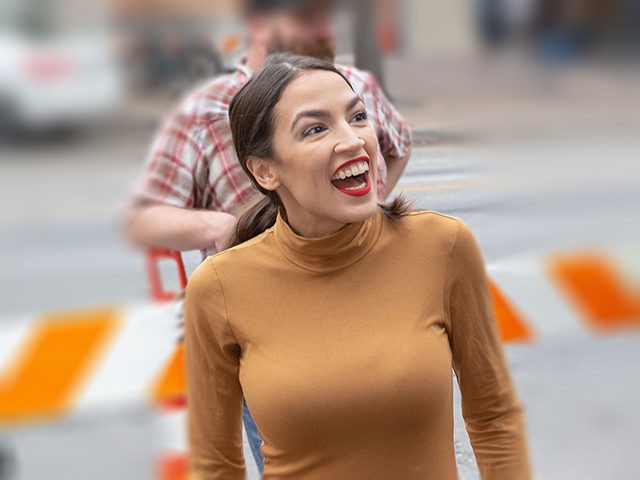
(303, 176)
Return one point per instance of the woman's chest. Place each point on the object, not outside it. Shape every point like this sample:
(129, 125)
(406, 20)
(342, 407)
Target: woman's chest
(317, 355)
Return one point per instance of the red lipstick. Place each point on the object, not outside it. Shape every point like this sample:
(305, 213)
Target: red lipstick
(352, 178)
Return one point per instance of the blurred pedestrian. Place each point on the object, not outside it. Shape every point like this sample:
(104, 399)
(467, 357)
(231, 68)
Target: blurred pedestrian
(339, 320)
(193, 186)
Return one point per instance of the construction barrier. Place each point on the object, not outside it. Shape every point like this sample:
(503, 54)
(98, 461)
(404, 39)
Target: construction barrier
(66, 373)
(71, 368)
(550, 297)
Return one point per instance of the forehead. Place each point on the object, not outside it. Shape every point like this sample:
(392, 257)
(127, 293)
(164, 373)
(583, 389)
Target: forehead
(314, 89)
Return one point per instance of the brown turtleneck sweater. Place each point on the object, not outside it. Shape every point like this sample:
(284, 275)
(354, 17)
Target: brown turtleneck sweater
(343, 348)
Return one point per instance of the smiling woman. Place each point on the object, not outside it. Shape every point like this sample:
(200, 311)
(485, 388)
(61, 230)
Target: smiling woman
(338, 320)
(314, 139)
(280, 120)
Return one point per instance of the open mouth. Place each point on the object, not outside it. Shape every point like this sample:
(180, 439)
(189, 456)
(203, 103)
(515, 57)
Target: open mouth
(353, 177)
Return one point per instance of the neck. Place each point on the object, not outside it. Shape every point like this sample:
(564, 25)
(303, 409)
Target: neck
(332, 252)
(317, 231)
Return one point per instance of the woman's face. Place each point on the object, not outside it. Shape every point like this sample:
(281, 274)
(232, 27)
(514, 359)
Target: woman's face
(324, 154)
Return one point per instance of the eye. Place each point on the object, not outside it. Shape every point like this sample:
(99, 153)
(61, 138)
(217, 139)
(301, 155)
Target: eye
(360, 116)
(316, 129)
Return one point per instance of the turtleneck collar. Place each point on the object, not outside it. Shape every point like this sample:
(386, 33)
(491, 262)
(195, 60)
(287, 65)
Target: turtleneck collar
(332, 252)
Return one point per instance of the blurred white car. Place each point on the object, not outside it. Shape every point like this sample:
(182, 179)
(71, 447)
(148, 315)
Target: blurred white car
(56, 64)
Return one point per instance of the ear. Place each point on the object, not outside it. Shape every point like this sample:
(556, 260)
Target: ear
(263, 172)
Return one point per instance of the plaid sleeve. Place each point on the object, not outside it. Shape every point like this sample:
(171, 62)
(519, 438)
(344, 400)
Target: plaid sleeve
(394, 134)
(192, 162)
(229, 186)
(175, 170)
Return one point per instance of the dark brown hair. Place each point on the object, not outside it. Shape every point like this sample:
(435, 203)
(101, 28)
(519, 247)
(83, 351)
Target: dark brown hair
(251, 119)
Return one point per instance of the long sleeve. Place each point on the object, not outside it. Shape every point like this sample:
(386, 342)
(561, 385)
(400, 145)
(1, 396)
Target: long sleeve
(176, 171)
(491, 409)
(214, 395)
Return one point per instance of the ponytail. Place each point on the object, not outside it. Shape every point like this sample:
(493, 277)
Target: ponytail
(397, 208)
(255, 219)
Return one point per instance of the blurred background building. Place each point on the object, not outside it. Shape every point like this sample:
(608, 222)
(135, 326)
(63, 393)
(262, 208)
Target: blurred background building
(69, 61)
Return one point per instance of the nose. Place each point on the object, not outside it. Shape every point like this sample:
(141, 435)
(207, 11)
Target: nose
(348, 141)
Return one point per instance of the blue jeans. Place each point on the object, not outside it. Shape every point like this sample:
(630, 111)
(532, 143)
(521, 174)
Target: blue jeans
(252, 433)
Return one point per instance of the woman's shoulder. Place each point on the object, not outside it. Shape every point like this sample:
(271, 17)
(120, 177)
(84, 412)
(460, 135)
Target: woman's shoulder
(246, 251)
(244, 257)
(448, 231)
(436, 223)
(432, 216)
(431, 229)
(422, 230)
(449, 227)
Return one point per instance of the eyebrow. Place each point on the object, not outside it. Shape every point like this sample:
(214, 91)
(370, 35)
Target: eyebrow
(322, 113)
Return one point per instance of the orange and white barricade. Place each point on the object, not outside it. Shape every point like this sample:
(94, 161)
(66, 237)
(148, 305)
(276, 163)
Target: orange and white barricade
(81, 391)
(548, 297)
(99, 393)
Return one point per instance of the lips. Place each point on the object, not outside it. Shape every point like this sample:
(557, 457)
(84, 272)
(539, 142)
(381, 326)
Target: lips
(352, 178)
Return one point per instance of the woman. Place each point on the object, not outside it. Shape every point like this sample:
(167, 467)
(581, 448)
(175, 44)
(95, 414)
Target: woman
(337, 319)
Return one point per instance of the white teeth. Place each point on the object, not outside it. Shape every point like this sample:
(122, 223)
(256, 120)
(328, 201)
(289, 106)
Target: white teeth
(352, 170)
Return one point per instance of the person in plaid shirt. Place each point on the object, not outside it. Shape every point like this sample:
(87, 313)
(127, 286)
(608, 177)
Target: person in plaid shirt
(193, 187)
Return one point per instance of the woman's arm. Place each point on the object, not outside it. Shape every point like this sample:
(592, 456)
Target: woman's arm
(214, 395)
(491, 409)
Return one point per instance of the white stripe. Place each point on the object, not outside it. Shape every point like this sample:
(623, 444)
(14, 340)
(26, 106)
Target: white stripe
(534, 295)
(626, 262)
(173, 430)
(137, 356)
(13, 336)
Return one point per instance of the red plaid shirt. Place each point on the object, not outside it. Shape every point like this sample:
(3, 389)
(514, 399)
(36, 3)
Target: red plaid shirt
(193, 163)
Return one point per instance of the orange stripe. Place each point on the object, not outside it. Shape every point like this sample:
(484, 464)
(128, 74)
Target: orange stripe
(42, 380)
(169, 390)
(511, 324)
(593, 284)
